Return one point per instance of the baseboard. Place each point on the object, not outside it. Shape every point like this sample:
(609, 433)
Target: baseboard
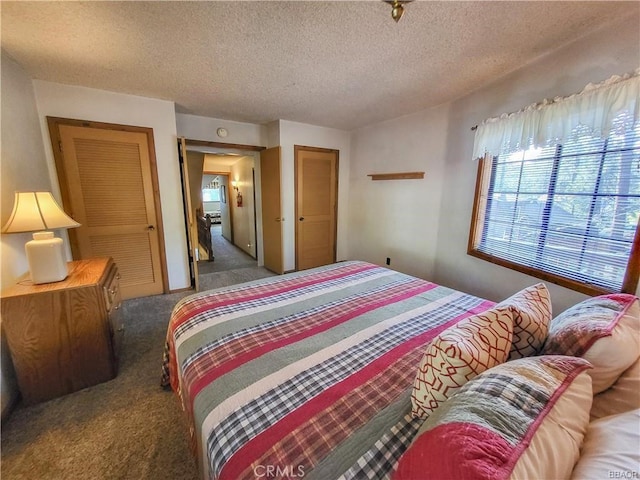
(181, 290)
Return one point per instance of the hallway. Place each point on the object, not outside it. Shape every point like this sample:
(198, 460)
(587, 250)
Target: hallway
(226, 255)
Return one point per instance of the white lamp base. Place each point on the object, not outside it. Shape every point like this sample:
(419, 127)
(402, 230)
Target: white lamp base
(46, 258)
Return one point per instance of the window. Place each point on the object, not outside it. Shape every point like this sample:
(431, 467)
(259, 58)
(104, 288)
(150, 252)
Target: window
(567, 211)
(210, 194)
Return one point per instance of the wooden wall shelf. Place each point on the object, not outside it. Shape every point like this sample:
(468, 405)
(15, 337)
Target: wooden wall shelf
(396, 176)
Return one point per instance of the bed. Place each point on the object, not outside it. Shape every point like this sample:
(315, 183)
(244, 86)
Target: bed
(216, 216)
(321, 374)
(309, 372)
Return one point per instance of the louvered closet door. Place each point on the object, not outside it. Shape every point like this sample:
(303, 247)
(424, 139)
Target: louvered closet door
(108, 173)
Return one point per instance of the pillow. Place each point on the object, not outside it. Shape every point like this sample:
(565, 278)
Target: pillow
(604, 330)
(611, 448)
(622, 396)
(522, 419)
(457, 355)
(531, 310)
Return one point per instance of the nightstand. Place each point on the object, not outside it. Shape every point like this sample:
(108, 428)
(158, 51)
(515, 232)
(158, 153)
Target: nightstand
(64, 336)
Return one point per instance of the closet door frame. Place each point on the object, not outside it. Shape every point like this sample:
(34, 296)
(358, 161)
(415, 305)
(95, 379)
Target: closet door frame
(54, 124)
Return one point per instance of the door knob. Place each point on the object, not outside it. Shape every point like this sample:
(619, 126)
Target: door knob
(278, 219)
(301, 218)
(151, 227)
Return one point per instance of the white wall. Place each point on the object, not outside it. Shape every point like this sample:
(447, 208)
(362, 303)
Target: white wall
(286, 134)
(398, 218)
(290, 134)
(195, 127)
(244, 217)
(273, 133)
(83, 103)
(614, 50)
(211, 164)
(423, 225)
(23, 166)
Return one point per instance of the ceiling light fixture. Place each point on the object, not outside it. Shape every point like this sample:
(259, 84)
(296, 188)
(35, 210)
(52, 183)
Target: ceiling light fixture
(396, 8)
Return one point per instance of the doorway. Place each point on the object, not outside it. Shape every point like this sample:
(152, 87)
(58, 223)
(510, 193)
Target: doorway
(316, 193)
(218, 252)
(221, 194)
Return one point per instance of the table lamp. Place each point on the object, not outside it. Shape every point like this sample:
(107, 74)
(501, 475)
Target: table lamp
(38, 212)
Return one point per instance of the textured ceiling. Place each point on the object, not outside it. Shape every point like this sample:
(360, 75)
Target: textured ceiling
(342, 64)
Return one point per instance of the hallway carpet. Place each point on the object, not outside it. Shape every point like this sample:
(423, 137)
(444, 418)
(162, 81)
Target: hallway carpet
(226, 255)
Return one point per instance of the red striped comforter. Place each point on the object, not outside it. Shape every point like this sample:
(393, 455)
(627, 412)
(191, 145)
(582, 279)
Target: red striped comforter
(306, 375)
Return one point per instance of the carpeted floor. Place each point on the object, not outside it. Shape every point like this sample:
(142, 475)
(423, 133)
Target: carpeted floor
(127, 428)
(226, 255)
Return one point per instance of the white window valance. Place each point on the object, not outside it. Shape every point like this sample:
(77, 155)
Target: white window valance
(613, 105)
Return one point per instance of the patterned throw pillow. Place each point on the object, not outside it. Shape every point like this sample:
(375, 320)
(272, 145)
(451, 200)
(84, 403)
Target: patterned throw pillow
(531, 310)
(523, 419)
(604, 330)
(458, 354)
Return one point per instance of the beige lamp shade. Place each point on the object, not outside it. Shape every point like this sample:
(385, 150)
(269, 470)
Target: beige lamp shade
(36, 211)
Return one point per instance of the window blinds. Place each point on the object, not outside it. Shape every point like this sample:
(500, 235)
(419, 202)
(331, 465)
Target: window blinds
(569, 209)
(562, 189)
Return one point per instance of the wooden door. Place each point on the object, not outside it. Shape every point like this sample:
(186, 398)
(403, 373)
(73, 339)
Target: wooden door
(225, 207)
(271, 209)
(109, 185)
(316, 206)
(192, 227)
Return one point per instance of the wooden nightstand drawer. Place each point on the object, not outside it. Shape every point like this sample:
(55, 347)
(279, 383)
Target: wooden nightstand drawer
(112, 288)
(114, 312)
(60, 334)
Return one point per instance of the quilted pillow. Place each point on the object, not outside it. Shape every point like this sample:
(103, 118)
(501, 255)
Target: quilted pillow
(604, 330)
(531, 310)
(458, 354)
(522, 419)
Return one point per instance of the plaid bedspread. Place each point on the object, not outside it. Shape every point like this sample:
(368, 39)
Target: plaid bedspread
(306, 375)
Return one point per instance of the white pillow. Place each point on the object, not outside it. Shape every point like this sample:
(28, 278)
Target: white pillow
(622, 396)
(611, 448)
